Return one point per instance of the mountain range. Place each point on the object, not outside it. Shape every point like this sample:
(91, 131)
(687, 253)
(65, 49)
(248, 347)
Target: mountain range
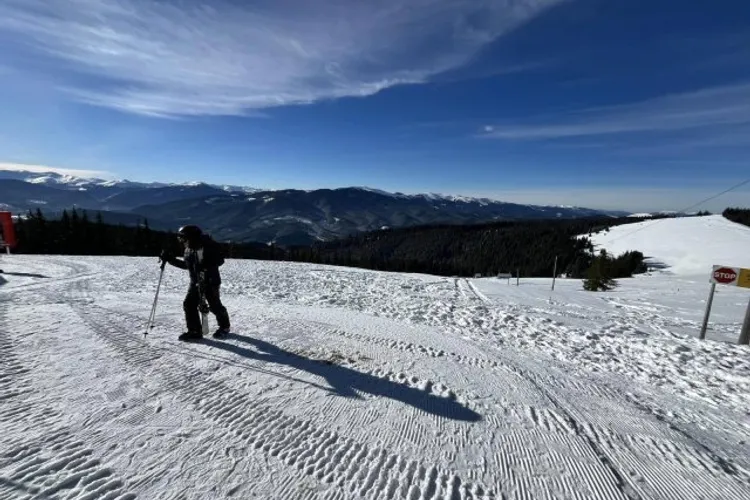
(238, 213)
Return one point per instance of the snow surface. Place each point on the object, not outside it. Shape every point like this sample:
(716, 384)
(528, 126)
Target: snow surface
(56, 179)
(295, 218)
(344, 383)
(685, 245)
(437, 197)
(641, 215)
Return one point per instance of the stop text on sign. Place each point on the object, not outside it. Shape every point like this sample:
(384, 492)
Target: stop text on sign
(735, 276)
(725, 275)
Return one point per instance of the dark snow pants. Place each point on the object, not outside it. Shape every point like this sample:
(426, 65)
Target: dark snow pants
(192, 301)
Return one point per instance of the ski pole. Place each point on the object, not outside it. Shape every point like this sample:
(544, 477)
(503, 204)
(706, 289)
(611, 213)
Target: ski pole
(203, 306)
(153, 308)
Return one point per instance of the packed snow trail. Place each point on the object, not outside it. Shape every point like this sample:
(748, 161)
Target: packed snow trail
(343, 383)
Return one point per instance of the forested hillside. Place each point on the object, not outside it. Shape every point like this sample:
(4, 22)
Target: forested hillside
(739, 215)
(526, 247)
(77, 234)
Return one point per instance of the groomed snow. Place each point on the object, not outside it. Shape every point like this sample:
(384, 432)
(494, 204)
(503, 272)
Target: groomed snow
(685, 245)
(344, 383)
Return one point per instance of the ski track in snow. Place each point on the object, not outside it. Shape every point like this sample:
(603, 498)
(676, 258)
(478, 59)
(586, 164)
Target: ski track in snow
(343, 383)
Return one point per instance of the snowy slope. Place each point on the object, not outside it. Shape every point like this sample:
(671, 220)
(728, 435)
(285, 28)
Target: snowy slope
(686, 246)
(343, 383)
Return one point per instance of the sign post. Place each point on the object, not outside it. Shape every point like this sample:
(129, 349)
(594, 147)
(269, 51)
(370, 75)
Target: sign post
(554, 274)
(731, 276)
(745, 333)
(708, 311)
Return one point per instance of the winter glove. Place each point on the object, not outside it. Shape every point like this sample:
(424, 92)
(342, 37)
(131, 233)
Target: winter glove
(166, 256)
(203, 306)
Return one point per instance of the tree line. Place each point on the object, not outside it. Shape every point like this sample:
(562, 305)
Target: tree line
(75, 233)
(739, 215)
(526, 247)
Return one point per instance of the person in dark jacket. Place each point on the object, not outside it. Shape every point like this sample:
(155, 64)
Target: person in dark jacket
(202, 259)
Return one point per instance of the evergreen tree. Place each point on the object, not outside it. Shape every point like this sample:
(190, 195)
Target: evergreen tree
(62, 240)
(77, 234)
(65, 220)
(102, 236)
(598, 275)
(39, 233)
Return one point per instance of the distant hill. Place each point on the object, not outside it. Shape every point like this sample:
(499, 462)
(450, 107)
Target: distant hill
(683, 245)
(300, 217)
(284, 217)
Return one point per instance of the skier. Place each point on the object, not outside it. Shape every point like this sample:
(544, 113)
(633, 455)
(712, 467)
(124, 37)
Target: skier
(202, 259)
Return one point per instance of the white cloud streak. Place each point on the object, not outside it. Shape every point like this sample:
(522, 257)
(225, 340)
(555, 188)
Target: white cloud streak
(185, 58)
(43, 169)
(727, 107)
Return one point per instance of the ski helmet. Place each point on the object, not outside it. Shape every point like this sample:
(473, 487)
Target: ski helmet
(189, 232)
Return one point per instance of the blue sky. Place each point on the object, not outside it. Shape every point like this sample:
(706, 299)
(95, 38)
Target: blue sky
(636, 105)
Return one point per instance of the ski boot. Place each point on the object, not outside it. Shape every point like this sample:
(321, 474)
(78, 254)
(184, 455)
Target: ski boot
(221, 333)
(190, 336)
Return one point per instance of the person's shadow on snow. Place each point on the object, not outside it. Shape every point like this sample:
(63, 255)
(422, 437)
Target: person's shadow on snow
(26, 275)
(346, 381)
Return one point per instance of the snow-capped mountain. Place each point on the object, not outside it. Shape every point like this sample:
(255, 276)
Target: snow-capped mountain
(240, 213)
(66, 181)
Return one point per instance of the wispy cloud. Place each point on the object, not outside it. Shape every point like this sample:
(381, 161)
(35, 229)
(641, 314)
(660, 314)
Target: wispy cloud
(501, 68)
(722, 107)
(23, 167)
(189, 58)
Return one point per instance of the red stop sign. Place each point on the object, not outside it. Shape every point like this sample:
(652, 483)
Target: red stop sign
(725, 275)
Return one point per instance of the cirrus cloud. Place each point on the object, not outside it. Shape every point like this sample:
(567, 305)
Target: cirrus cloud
(726, 106)
(186, 58)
